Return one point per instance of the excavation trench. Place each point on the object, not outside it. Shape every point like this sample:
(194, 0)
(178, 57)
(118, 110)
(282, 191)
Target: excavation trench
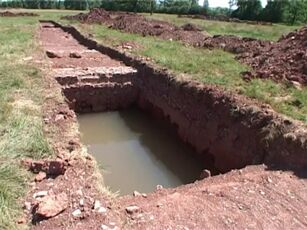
(152, 128)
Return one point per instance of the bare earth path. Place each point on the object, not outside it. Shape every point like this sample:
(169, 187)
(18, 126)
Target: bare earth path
(251, 198)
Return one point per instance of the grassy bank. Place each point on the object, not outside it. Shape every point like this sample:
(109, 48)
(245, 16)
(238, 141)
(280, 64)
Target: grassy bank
(266, 32)
(21, 98)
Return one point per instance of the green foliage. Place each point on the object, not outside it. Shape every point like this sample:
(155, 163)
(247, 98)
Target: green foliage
(273, 12)
(247, 10)
(295, 11)
(76, 5)
(289, 11)
(181, 7)
(129, 5)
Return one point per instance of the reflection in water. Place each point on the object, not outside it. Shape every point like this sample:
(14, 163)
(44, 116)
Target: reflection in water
(137, 152)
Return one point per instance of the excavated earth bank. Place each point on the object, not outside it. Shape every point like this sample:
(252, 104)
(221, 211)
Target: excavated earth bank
(229, 130)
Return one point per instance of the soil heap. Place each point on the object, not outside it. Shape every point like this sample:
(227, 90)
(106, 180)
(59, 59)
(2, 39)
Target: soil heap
(97, 15)
(134, 23)
(282, 61)
(285, 60)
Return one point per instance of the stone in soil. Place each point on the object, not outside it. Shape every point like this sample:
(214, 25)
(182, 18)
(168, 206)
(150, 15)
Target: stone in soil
(52, 205)
(74, 55)
(132, 209)
(40, 176)
(52, 54)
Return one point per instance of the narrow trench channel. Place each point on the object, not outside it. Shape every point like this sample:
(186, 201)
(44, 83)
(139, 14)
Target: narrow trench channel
(137, 151)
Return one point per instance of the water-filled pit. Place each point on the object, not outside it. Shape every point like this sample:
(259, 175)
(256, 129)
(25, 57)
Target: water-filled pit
(137, 152)
(226, 131)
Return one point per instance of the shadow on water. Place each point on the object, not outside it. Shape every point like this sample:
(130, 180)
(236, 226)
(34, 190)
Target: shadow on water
(164, 144)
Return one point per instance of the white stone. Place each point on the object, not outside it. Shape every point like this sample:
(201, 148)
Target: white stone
(40, 194)
(81, 202)
(76, 213)
(27, 206)
(102, 210)
(97, 204)
(136, 193)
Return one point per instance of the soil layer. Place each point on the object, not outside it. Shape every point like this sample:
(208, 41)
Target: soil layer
(19, 14)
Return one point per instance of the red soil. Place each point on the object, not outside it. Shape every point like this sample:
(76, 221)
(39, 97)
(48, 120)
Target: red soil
(11, 14)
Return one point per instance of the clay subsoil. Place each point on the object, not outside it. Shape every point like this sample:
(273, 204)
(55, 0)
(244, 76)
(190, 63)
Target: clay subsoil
(270, 196)
(19, 14)
(282, 61)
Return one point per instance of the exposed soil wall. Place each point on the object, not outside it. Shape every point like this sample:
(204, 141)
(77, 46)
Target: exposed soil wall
(103, 97)
(99, 89)
(230, 129)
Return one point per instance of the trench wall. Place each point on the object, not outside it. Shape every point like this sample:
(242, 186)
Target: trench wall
(228, 129)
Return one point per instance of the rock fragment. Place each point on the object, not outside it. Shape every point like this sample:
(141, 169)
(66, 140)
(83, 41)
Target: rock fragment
(77, 213)
(205, 174)
(136, 193)
(40, 176)
(40, 194)
(74, 55)
(52, 54)
(52, 205)
(132, 209)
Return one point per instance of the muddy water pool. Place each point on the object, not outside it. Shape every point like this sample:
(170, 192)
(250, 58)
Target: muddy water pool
(137, 152)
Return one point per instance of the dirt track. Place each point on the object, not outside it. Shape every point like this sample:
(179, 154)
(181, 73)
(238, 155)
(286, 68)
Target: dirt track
(252, 198)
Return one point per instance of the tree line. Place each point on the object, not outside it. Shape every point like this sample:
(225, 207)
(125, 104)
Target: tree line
(288, 11)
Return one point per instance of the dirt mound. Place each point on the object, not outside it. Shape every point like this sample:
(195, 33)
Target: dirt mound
(11, 14)
(282, 61)
(191, 27)
(236, 45)
(140, 25)
(285, 60)
(96, 15)
(134, 23)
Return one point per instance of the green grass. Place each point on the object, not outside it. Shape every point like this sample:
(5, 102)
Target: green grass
(265, 32)
(208, 66)
(21, 132)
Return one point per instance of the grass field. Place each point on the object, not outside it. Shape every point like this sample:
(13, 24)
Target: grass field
(208, 66)
(266, 32)
(21, 87)
(20, 113)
